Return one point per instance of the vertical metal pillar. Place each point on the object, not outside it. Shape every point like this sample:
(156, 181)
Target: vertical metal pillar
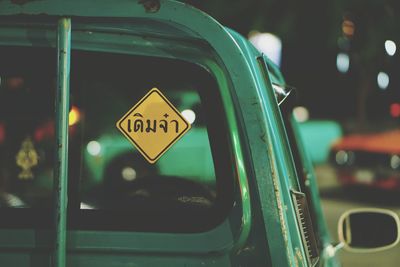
(61, 153)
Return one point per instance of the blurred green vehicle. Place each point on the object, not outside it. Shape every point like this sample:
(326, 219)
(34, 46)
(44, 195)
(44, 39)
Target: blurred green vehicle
(236, 190)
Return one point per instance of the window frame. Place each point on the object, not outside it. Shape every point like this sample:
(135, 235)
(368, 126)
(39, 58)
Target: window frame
(86, 219)
(205, 52)
(42, 218)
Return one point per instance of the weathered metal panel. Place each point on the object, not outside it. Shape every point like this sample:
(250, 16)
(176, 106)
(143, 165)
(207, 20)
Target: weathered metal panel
(61, 160)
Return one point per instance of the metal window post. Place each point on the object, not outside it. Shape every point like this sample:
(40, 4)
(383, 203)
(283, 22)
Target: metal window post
(61, 155)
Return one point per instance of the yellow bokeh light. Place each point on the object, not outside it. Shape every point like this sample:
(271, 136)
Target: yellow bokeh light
(74, 116)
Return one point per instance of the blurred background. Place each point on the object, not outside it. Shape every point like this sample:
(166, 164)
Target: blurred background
(343, 58)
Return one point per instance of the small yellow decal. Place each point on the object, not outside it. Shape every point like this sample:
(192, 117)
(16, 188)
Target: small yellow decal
(26, 158)
(153, 125)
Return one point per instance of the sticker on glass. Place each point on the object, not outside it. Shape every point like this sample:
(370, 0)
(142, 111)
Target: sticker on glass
(27, 158)
(153, 125)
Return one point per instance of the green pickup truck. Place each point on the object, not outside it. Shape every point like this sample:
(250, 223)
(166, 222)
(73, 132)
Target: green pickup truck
(236, 190)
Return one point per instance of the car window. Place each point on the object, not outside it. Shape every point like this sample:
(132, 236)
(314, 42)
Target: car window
(27, 83)
(111, 185)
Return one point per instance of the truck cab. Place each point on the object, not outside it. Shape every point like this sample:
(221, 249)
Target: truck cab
(237, 189)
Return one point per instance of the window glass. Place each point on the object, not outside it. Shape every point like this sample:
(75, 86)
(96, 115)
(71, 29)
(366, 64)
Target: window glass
(110, 184)
(27, 85)
(182, 187)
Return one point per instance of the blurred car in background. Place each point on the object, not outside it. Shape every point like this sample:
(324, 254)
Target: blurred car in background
(368, 159)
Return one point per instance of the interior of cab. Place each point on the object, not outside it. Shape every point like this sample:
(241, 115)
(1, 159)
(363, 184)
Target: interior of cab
(107, 175)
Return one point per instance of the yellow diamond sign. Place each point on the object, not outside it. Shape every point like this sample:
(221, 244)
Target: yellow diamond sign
(153, 125)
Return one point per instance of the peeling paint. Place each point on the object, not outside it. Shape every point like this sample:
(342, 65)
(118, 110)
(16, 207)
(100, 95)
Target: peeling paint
(151, 6)
(299, 257)
(278, 200)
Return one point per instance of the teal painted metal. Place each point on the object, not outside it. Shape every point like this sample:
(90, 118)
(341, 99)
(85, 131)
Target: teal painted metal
(329, 260)
(218, 240)
(285, 177)
(61, 168)
(242, 174)
(264, 229)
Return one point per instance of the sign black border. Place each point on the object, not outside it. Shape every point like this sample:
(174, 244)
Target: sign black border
(149, 159)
